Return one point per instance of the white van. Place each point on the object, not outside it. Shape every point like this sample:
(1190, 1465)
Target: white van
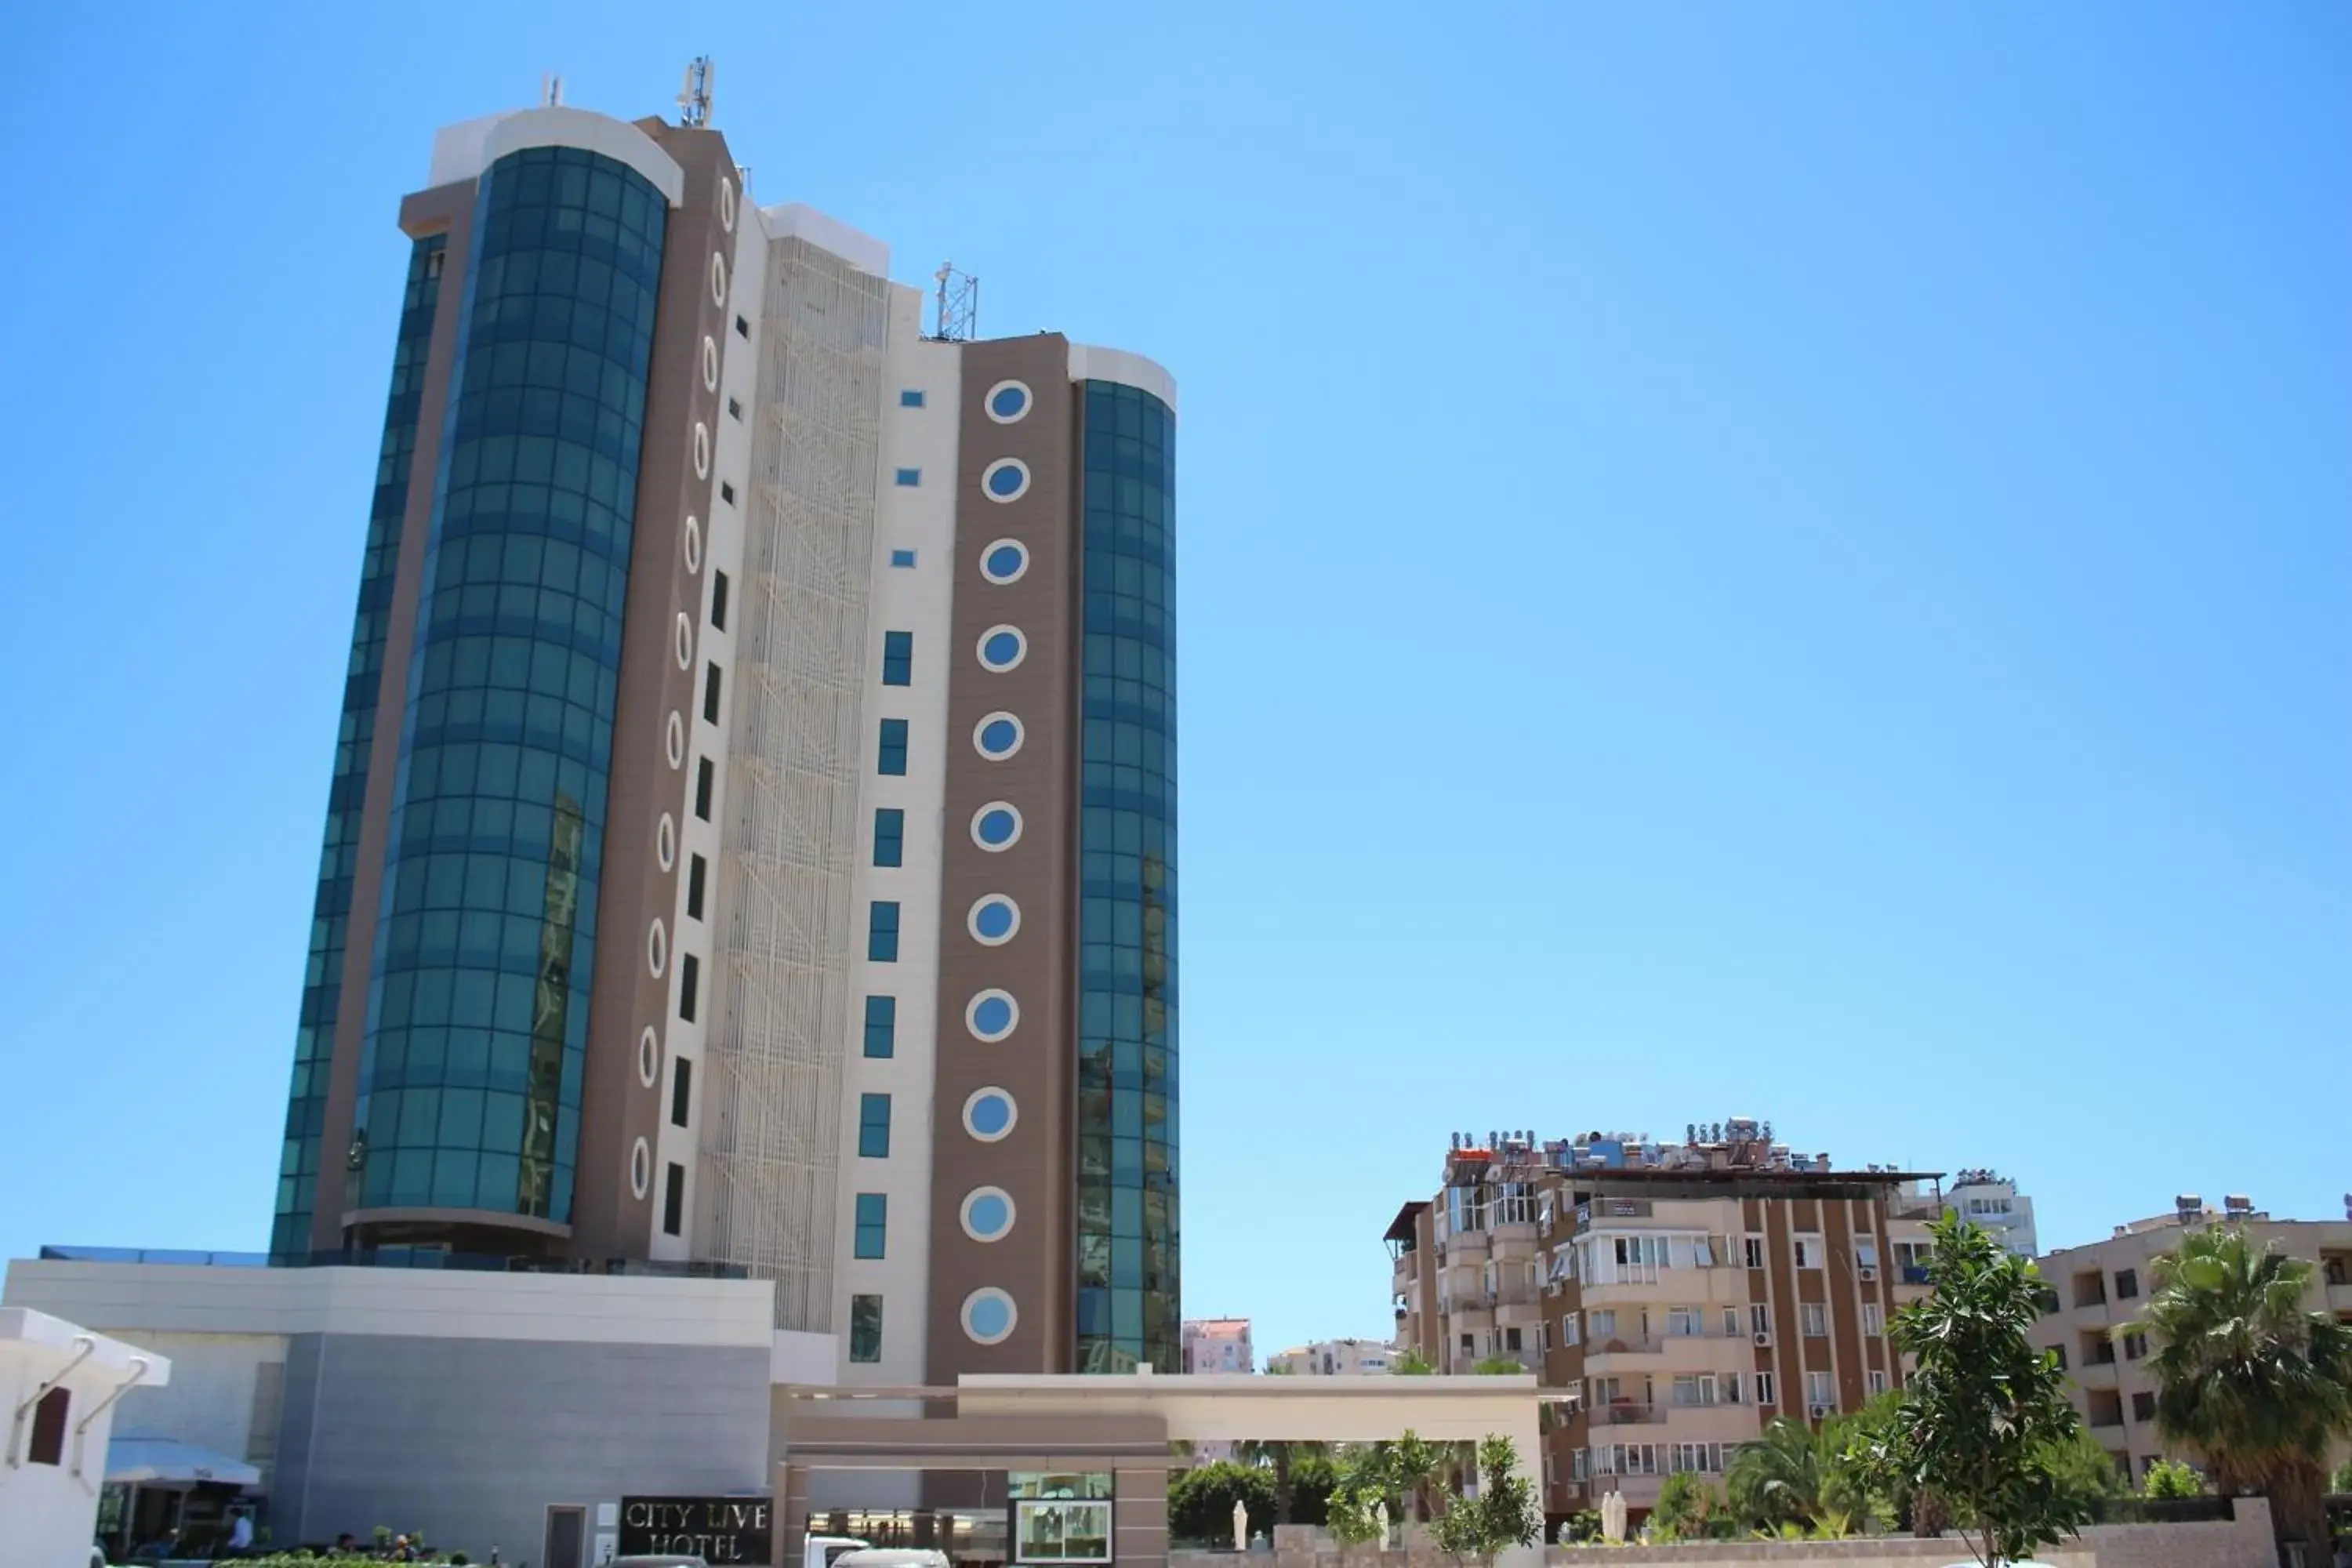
(825, 1550)
(892, 1557)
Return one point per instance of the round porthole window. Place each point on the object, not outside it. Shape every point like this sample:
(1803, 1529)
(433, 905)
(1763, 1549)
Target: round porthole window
(1002, 649)
(674, 741)
(987, 1213)
(649, 1062)
(996, 825)
(701, 450)
(726, 206)
(997, 737)
(991, 1016)
(684, 640)
(1007, 478)
(710, 365)
(989, 1114)
(692, 542)
(641, 1169)
(717, 278)
(1004, 561)
(989, 1316)
(656, 947)
(1006, 402)
(994, 919)
(665, 842)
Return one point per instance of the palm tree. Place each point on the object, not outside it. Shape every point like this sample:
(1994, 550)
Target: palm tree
(1778, 1478)
(2251, 1382)
(1279, 1458)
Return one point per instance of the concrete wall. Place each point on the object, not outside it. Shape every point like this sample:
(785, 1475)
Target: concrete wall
(49, 1512)
(470, 1441)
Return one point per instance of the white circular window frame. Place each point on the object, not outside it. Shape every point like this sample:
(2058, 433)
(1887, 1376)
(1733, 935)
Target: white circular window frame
(710, 365)
(717, 278)
(988, 476)
(1012, 1114)
(1020, 733)
(1016, 574)
(971, 1016)
(988, 1293)
(657, 947)
(992, 807)
(691, 541)
(1028, 401)
(971, 919)
(674, 740)
(685, 641)
(1020, 650)
(665, 842)
(650, 1057)
(964, 1213)
(726, 206)
(641, 1169)
(701, 450)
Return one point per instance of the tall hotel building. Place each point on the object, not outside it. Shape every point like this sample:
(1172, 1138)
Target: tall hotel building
(752, 834)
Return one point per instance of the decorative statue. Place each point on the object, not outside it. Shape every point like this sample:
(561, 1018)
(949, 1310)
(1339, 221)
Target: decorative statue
(1241, 1525)
(1613, 1516)
(1381, 1523)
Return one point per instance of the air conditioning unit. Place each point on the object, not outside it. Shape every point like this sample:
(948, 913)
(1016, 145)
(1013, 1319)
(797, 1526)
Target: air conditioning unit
(1870, 1274)
(1820, 1412)
(1763, 1336)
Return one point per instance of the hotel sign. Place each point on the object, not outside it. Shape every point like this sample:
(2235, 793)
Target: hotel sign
(718, 1530)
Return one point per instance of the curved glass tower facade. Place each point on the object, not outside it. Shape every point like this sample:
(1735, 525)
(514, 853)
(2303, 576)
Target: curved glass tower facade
(1126, 1225)
(469, 1077)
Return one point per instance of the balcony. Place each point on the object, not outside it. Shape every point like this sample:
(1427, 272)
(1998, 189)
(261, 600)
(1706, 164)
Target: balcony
(1629, 1413)
(1604, 1345)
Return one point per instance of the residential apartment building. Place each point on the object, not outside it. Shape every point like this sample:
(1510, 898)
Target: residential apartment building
(1680, 1296)
(2098, 1289)
(752, 841)
(1218, 1344)
(1332, 1358)
(1992, 1202)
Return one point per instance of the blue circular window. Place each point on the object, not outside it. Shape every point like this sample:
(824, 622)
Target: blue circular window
(996, 825)
(997, 737)
(1001, 648)
(994, 919)
(1004, 561)
(1007, 478)
(990, 1016)
(989, 1316)
(989, 1114)
(1007, 401)
(987, 1213)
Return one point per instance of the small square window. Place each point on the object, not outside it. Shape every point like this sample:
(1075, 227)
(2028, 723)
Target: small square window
(689, 977)
(866, 1328)
(742, 328)
(873, 1224)
(902, 558)
(1877, 1381)
(726, 492)
(704, 779)
(1816, 1320)
(911, 398)
(674, 1199)
(1753, 1250)
(718, 600)
(898, 658)
(710, 693)
(873, 1126)
(2143, 1407)
(2127, 1284)
(893, 758)
(697, 871)
(1809, 1252)
(881, 932)
(889, 836)
(908, 479)
(735, 409)
(681, 1091)
(882, 1026)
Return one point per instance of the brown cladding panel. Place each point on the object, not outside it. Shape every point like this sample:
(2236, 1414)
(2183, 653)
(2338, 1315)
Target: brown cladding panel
(1780, 1265)
(1033, 1164)
(1845, 1291)
(616, 1108)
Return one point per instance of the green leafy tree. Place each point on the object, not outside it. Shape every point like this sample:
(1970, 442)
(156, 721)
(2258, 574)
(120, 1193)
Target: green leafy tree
(1984, 1422)
(1282, 1459)
(1686, 1509)
(1410, 1363)
(2248, 1380)
(1201, 1500)
(2086, 1470)
(1503, 1514)
(1313, 1479)
(2341, 1481)
(1496, 1366)
(2171, 1478)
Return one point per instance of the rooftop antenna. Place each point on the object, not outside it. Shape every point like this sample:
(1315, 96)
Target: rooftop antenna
(694, 98)
(957, 318)
(550, 90)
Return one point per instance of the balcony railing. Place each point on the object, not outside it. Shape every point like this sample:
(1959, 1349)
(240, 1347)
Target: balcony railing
(1619, 1345)
(1628, 1413)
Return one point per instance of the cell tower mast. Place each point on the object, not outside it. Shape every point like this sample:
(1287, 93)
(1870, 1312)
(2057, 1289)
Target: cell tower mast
(957, 315)
(694, 99)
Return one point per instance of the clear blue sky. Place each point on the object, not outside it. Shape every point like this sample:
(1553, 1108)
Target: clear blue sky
(1790, 561)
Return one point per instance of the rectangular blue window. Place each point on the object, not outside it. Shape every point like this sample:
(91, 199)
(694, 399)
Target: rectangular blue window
(910, 478)
(873, 1224)
(911, 398)
(893, 758)
(889, 836)
(882, 932)
(898, 658)
(873, 1126)
(882, 1026)
(902, 558)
